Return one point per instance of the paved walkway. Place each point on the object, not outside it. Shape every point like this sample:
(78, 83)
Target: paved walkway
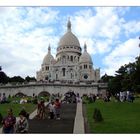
(64, 125)
(79, 120)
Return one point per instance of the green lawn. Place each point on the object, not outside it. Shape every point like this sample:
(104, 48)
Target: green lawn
(16, 108)
(118, 117)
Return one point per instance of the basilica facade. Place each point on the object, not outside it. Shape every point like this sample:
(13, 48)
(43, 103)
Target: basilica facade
(71, 63)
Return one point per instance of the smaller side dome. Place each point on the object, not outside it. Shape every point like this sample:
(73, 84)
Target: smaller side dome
(85, 57)
(48, 59)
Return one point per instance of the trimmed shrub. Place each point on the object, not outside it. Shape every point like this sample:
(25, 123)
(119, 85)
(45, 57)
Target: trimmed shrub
(34, 101)
(97, 116)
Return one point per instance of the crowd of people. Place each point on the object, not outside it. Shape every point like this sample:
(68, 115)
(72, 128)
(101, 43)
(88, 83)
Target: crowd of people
(125, 96)
(119, 97)
(52, 109)
(71, 97)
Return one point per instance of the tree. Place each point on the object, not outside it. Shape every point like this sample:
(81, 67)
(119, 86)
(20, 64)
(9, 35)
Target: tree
(114, 85)
(105, 78)
(30, 79)
(127, 77)
(16, 79)
(3, 77)
(136, 76)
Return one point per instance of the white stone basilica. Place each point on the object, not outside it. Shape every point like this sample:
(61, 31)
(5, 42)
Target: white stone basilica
(70, 65)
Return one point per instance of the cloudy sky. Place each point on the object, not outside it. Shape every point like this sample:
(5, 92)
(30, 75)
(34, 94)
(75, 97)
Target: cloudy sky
(111, 35)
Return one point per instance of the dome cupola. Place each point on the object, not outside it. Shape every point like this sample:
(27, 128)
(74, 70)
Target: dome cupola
(85, 57)
(48, 59)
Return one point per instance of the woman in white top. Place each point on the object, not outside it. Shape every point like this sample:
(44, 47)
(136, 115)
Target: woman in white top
(22, 125)
(51, 110)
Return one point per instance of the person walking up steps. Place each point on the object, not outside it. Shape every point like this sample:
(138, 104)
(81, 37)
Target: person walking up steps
(41, 109)
(38, 109)
(51, 110)
(57, 106)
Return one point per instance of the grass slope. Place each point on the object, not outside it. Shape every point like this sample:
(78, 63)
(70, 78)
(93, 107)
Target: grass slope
(16, 108)
(118, 117)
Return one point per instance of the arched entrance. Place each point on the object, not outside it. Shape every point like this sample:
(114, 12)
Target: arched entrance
(20, 94)
(70, 97)
(44, 94)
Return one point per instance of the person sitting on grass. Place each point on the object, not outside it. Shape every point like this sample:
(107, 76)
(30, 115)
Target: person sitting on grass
(9, 122)
(25, 114)
(22, 125)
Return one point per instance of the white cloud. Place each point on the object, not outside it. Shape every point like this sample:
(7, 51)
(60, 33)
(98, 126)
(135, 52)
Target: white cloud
(132, 27)
(25, 35)
(105, 23)
(99, 27)
(122, 54)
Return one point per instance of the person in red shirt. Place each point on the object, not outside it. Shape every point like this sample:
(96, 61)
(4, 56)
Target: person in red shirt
(57, 106)
(9, 122)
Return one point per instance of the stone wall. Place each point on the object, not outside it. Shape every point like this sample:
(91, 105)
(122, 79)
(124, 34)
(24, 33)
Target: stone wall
(51, 88)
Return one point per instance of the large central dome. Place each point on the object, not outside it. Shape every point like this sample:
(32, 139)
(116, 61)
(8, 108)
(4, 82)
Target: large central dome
(69, 43)
(69, 39)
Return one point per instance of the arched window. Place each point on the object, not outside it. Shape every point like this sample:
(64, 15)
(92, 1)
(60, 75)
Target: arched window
(71, 75)
(56, 76)
(64, 71)
(85, 66)
(47, 67)
(47, 78)
(64, 59)
(71, 58)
